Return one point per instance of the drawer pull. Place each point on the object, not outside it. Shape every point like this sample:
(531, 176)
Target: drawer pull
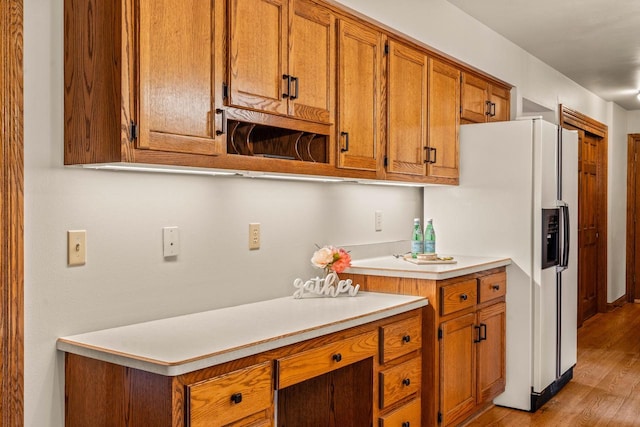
(337, 357)
(406, 338)
(236, 398)
(495, 287)
(406, 381)
(464, 297)
(406, 424)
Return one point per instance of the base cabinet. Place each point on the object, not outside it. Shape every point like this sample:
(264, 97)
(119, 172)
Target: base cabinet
(463, 342)
(362, 376)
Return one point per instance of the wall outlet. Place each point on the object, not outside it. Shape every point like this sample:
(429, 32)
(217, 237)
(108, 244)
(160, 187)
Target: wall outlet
(378, 220)
(170, 241)
(76, 247)
(254, 235)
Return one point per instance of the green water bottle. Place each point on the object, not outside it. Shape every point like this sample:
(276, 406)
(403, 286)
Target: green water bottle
(429, 238)
(417, 244)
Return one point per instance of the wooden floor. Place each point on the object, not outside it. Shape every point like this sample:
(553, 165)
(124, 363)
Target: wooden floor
(605, 390)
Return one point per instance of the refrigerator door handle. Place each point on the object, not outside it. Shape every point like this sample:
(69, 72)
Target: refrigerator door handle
(566, 237)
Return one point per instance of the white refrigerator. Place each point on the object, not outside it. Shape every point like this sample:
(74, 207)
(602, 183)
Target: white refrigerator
(513, 177)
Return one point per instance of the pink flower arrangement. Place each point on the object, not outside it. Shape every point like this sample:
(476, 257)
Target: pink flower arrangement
(331, 259)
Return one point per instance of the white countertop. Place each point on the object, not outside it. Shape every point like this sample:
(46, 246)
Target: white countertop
(186, 343)
(397, 267)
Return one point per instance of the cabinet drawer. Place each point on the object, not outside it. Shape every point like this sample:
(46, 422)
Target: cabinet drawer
(230, 397)
(458, 296)
(493, 286)
(311, 363)
(400, 338)
(399, 382)
(406, 416)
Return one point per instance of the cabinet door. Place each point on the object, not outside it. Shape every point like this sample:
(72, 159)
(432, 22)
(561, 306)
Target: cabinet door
(444, 120)
(491, 351)
(312, 62)
(475, 95)
(457, 367)
(258, 55)
(406, 109)
(178, 61)
(500, 105)
(359, 62)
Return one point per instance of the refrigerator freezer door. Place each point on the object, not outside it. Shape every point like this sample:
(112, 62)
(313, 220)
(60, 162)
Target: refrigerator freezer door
(569, 306)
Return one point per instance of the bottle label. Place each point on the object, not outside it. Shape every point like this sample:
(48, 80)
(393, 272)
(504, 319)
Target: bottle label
(416, 247)
(429, 247)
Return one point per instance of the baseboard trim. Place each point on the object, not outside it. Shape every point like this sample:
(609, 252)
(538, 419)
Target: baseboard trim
(617, 303)
(539, 399)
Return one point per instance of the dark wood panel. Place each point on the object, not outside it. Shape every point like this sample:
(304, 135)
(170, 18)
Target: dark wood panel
(339, 398)
(11, 215)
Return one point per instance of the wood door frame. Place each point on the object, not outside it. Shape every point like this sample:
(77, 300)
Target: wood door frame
(633, 140)
(572, 119)
(11, 215)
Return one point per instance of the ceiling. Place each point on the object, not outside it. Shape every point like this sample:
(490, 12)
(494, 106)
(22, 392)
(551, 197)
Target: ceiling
(593, 42)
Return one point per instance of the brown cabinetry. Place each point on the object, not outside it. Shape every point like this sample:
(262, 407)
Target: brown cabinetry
(285, 86)
(282, 58)
(463, 342)
(365, 375)
(483, 101)
(359, 96)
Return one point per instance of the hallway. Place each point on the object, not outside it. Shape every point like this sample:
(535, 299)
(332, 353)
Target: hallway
(605, 390)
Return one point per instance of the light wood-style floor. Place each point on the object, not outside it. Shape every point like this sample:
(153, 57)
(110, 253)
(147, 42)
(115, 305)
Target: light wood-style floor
(605, 389)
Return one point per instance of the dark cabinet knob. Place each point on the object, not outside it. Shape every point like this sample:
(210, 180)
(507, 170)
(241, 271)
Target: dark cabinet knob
(495, 287)
(464, 297)
(406, 338)
(236, 398)
(406, 381)
(406, 424)
(337, 357)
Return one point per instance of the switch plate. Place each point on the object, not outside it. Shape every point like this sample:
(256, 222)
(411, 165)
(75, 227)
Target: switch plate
(378, 220)
(76, 247)
(171, 241)
(254, 235)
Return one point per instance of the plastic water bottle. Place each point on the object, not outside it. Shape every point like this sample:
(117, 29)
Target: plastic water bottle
(417, 244)
(429, 238)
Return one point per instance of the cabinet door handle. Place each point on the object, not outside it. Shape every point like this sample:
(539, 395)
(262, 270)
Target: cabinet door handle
(224, 121)
(406, 424)
(297, 87)
(406, 338)
(236, 398)
(487, 110)
(346, 141)
(483, 332)
(406, 382)
(464, 297)
(427, 155)
(478, 339)
(435, 155)
(287, 77)
(337, 357)
(492, 111)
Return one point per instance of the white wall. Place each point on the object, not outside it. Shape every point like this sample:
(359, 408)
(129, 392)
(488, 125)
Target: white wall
(126, 279)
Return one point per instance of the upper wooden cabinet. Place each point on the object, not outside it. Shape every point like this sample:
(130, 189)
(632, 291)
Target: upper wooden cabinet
(483, 101)
(286, 86)
(444, 120)
(360, 50)
(179, 64)
(282, 58)
(407, 109)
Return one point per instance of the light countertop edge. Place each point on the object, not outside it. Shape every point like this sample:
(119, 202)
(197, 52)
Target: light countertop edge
(106, 346)
(395, 267)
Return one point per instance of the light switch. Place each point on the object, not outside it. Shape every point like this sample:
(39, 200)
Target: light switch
(76, 247)
(171, 241)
